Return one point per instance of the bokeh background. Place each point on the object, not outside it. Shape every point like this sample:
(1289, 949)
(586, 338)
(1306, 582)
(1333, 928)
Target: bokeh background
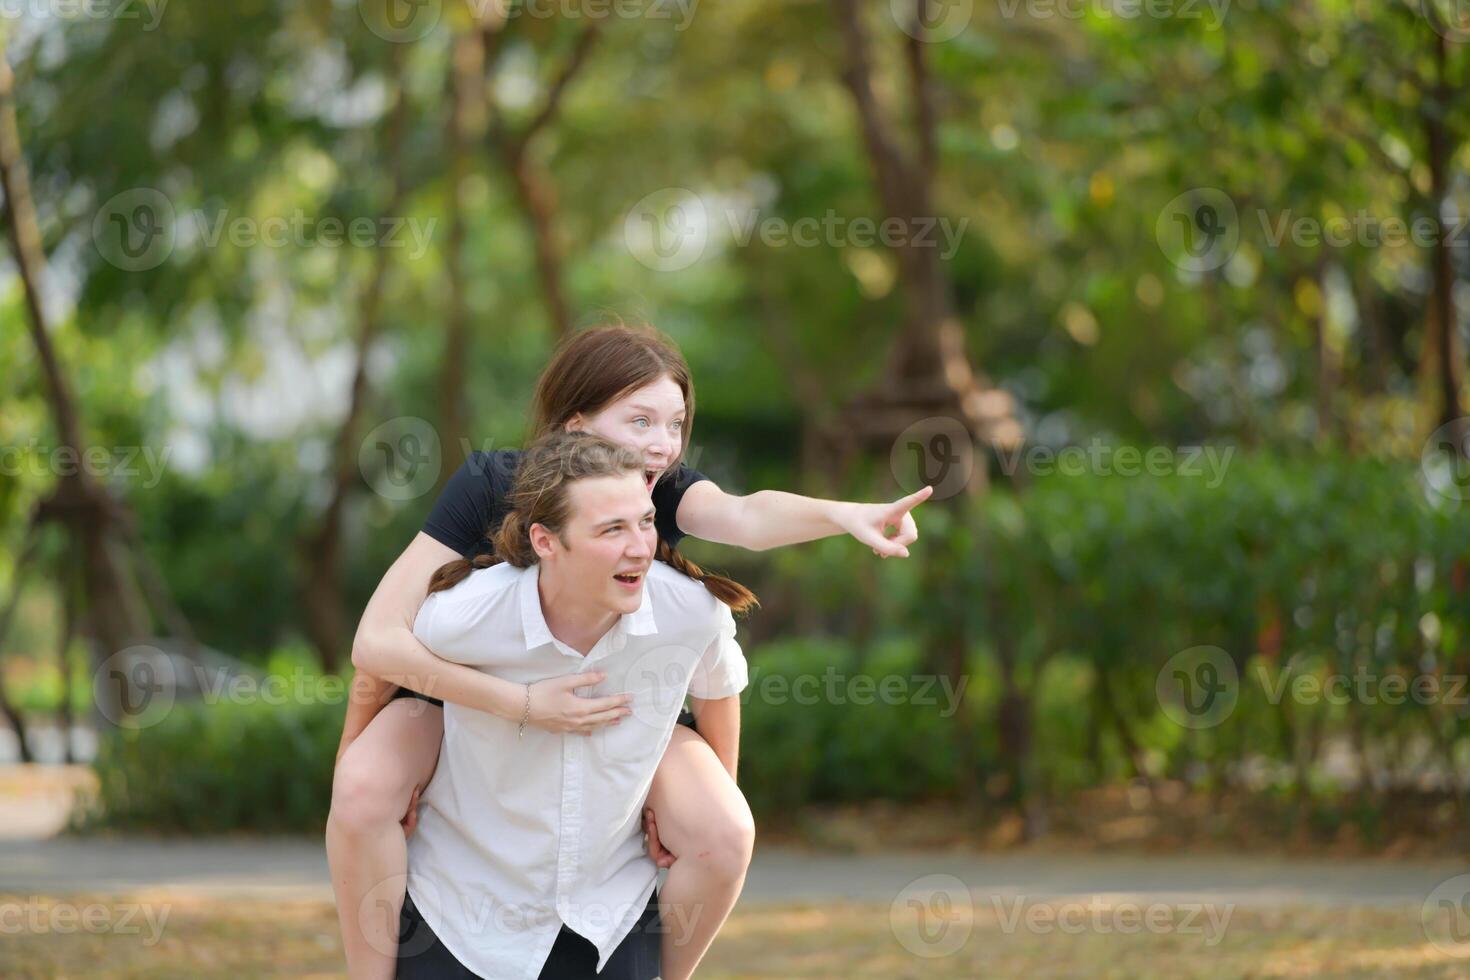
(1168, 299)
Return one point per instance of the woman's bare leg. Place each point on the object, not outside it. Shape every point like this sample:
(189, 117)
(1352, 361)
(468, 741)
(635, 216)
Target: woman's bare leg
(704, 821)
(367, 852)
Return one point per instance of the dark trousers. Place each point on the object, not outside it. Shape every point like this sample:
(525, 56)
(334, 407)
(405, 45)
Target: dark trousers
(421, 956)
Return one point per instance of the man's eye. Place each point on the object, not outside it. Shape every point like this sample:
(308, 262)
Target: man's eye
(647, 522)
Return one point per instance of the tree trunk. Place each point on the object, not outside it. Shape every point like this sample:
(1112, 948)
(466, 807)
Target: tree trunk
(87, 509)
(466, 67)
(325, 616)
(535, 192)
(1441, 349)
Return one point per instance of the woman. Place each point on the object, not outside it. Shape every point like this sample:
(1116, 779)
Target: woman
(632, 387)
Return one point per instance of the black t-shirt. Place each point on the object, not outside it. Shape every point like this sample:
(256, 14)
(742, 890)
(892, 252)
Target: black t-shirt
(469, 511)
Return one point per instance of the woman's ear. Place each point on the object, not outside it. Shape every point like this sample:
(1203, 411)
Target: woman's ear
(573, 424)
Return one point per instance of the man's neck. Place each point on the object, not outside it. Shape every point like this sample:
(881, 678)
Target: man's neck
(569, 616)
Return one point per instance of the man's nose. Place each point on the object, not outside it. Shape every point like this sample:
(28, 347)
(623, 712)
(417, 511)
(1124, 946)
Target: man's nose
(641, 546)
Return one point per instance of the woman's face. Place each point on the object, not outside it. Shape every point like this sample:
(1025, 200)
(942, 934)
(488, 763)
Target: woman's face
(647, 420)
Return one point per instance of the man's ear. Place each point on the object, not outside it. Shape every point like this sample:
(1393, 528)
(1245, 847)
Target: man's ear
(541, 539)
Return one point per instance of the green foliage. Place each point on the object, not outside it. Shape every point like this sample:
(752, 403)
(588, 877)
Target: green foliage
(214, 768)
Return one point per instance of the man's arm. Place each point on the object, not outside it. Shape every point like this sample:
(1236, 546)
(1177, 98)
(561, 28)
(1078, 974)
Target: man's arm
(773, 518)
(718, 720)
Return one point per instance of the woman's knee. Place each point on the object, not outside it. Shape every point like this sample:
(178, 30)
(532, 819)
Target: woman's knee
(365, 798)
(723, 843)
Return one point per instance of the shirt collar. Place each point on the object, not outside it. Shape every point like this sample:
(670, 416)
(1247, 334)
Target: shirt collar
(641, 622)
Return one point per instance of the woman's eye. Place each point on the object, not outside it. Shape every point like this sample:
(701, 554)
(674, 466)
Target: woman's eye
(679, 424)
(640, 421)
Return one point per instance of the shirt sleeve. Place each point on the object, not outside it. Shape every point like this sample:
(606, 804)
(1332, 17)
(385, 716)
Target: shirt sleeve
(453, 628)
(721, 672)
(423, 623)
(667, 493)
(461, 516)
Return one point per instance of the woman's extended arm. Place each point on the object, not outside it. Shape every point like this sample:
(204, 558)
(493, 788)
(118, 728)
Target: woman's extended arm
(773, 518)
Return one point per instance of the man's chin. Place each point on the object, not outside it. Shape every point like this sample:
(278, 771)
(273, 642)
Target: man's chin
(628, 602)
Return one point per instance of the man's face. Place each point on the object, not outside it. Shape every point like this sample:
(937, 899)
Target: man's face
(609, 540)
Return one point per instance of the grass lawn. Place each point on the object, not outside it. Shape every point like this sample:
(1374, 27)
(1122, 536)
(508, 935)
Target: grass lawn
(158, 935)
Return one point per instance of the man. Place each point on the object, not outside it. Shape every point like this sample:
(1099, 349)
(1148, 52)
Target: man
(528, 859)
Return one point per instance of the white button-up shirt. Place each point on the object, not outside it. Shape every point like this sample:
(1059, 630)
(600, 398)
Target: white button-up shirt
(518, 836)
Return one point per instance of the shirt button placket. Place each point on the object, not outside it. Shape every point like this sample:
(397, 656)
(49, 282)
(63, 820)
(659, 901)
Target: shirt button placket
(571, 822)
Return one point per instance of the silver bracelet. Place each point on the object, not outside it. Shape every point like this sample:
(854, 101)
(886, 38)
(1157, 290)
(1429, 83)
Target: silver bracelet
(521, 732)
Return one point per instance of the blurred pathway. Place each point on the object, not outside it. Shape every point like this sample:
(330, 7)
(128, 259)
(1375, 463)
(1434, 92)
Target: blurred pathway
(33, 860)
(297, 868)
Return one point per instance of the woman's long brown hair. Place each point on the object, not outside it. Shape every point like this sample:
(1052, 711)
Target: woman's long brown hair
(541, 496)
(594, 368)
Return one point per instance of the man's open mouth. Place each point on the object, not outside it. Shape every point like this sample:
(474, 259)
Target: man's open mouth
(629, 578)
